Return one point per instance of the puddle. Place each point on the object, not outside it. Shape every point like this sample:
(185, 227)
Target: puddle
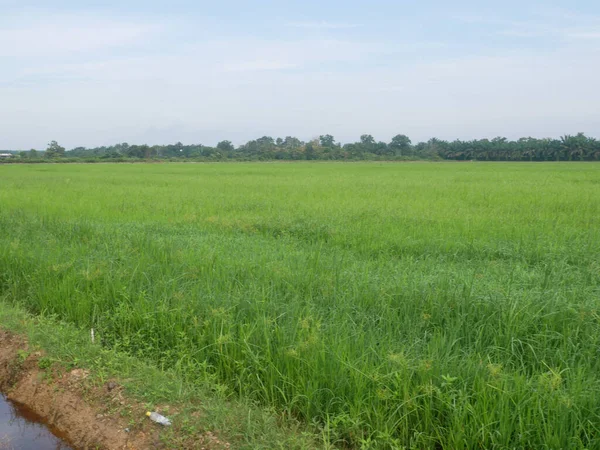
(22, 429)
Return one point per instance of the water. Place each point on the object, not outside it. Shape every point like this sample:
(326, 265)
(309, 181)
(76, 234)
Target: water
(22, 429)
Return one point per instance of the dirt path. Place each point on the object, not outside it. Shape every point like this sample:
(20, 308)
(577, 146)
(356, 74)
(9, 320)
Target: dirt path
(68, 403)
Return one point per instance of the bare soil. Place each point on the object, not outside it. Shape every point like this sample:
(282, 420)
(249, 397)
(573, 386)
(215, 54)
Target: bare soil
(69, 404)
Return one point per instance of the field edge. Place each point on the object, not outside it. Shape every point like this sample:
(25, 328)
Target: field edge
(46, 355)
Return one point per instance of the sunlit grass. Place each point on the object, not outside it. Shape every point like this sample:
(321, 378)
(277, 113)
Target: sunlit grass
(412, 305)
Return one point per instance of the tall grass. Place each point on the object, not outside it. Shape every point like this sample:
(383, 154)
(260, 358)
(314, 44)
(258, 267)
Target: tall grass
(418, 305)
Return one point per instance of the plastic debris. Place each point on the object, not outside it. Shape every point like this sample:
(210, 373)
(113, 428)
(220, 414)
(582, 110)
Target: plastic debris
(158, 418)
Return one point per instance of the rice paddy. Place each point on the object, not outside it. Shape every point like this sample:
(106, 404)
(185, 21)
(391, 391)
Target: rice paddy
(421, 305)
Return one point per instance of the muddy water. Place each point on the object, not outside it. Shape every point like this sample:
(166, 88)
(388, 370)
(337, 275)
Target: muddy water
(22, 429)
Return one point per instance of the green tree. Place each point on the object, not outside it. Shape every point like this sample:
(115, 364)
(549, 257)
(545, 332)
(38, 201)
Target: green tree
(367, 140)
(309, 151)
(401, 145)
(292, 143)
(54, 150)
(574, 147)
(225, 146)
(327, 140)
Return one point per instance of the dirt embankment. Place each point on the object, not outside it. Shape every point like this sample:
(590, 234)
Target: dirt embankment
(69, 404)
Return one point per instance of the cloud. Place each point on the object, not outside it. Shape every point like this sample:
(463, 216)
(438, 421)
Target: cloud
(583, 34)
(57, 35)
(92, 80)
(559, 25)
(475, 19)
(209, 60)
(545, 24)
(323, 25)
(532, 30)
(511, 94)
(251, 66)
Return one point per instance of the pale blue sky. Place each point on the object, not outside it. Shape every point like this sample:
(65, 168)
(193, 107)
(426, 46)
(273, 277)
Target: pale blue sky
(99, 72)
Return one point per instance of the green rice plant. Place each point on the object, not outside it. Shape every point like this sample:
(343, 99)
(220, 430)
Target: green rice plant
(425, 305)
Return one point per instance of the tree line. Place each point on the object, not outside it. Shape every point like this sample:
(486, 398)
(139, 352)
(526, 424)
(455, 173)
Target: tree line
(567, 148)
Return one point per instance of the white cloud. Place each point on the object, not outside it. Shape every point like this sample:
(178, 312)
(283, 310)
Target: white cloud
(257, 65)
(194, 89)
(323, 25)
(514, 94)
(56, 35)
(208, 59)
(562, 25)
(532, 30)
(583, 34)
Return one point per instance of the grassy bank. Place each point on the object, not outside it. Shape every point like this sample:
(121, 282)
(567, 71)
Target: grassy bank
(418, 305)
(200, 408)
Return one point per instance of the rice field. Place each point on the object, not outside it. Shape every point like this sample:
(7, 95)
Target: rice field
(421, 305)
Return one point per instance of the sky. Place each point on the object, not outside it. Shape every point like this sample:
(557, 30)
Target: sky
(91, 73)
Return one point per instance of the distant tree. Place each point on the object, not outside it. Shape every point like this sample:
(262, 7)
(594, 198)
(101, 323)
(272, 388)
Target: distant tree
(292, 143)
(381, 148)
(167, 151)
(54, 150)
(367, 140)
(400, 145)
(309, 151)
(78, 151)
(574, 147)
(138, 151)
(327, 140)
(434, 148)
(225, 146)
(567, 148)
(266, 142)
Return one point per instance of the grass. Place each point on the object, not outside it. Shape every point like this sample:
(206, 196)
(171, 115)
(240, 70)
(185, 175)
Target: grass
(425, 305)
(196, 409)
